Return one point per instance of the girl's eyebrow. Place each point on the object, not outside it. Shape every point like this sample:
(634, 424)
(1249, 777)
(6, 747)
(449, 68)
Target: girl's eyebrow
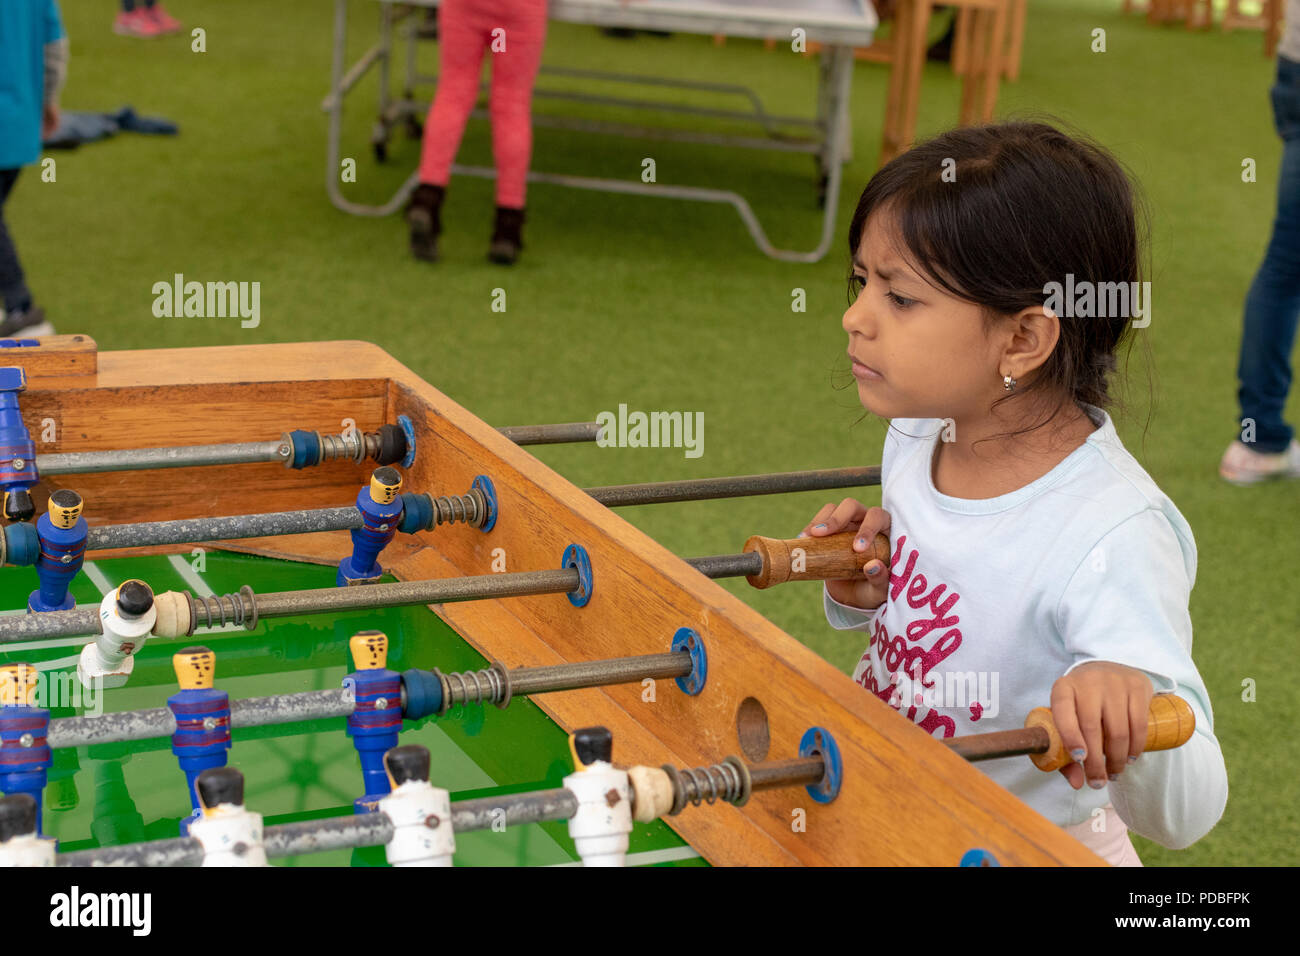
(882, 273)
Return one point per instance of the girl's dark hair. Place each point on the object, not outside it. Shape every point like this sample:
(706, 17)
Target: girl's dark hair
(992, 214)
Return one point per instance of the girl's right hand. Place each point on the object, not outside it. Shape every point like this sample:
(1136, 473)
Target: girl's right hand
(869, 591)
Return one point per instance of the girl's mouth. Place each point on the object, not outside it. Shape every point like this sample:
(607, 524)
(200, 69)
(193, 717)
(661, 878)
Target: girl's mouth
(864, 372)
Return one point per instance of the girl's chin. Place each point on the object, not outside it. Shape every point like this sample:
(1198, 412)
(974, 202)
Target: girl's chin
(874, 402)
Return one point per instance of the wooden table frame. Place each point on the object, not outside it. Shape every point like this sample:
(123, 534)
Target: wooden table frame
(906, 799)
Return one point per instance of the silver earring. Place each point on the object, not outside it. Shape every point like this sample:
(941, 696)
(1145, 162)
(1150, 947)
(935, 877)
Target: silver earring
(1008, 383)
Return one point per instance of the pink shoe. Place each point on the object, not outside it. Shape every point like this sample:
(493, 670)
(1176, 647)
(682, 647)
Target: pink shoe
(165, 22)
(1242, 466)
(137, 23)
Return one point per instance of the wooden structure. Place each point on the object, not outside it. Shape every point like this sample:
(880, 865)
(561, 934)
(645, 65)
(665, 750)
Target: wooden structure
(987, 44)
(1199, 15)
(906, 799)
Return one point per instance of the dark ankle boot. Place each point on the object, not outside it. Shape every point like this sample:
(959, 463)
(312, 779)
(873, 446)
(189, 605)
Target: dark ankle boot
(424, 216)
(506, 238)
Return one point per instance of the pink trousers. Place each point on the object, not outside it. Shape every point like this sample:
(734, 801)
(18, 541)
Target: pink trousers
(1111, 842)
(512, 32)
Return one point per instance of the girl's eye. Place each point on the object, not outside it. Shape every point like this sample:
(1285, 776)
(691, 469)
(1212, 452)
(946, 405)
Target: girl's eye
(898, 300)
(856, 282)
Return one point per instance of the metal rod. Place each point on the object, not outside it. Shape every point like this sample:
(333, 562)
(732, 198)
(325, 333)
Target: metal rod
(320, 836)
(339, 833)
(254, 452)
(76, 622)
(618, 670)
(183, 456)
(216, 610)
(291, 708)
(728, 565)
(484, 812)
(347, 518)
(1003, 743)
(133, 725)
(160, 722)
(702, 489)
(786, 773)
(111, 728)
(552, 434)
(225, 528)
(85, 621)
(376, 829)
(498, 686)
(178, 851)
(434, 591)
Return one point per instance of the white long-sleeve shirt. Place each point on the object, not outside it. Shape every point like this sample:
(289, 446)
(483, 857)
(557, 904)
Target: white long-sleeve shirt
(992, 600)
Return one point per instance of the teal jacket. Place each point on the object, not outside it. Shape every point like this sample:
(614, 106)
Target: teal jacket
(25, 27)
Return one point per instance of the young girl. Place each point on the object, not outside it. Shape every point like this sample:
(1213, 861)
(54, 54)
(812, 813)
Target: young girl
(1032, 557)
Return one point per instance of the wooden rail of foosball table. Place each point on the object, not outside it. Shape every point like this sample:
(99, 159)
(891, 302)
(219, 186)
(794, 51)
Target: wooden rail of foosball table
(905, 800)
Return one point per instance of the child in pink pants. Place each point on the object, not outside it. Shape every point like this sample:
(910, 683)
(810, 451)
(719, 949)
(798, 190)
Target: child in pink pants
(512, 32)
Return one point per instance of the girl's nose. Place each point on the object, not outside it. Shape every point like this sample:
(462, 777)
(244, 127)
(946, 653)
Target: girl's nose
(857, 319)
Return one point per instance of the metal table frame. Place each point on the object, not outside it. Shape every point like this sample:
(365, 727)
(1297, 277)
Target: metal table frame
(830, 144)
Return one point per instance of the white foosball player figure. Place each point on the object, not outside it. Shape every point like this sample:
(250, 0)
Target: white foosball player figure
(19, 844)
(231, 835)
(601, 826)
(420, 813)
(127, 616)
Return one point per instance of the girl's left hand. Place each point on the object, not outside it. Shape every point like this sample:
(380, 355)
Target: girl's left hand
(1100, 710)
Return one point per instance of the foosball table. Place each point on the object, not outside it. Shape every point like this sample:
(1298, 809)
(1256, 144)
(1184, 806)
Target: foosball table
(246, 679)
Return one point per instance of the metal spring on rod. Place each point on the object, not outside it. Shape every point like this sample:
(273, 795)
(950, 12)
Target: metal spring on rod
(353, 445)
(491, 686)
(728, 781)
(223, 609)
(470, 508)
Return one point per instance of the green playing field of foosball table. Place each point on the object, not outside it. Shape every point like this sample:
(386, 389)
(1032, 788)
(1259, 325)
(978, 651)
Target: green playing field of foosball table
(121, 793)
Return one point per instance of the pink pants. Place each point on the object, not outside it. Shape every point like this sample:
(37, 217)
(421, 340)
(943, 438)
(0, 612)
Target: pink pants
(466, 29)
(1112, 843)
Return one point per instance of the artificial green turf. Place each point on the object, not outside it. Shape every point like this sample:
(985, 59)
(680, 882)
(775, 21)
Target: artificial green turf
(667, 305)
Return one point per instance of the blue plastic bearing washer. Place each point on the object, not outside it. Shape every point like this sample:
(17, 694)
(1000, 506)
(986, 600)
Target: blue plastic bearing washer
(22, 543)
(687, 640)
(417, 512)
(575, 556)
(408, 429)
(422, 694)
(818, 742)
(978, 857)
(306, 449)
(484, 484)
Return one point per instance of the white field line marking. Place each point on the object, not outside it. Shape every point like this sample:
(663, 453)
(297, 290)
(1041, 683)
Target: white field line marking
(650, 857)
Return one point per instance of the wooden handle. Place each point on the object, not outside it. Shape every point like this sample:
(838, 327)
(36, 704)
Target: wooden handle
(813, 559)
(1170, 723)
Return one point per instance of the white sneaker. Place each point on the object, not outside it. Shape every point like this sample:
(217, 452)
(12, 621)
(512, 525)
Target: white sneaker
(1242, 466)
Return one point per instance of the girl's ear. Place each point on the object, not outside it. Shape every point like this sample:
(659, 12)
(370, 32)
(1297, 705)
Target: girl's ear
(1034, 333)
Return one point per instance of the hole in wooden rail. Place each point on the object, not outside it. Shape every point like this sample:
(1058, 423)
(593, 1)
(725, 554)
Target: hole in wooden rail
(751, 728)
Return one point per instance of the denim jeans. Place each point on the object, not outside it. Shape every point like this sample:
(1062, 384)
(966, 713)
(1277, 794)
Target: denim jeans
(14, 296)
(1273, 302)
